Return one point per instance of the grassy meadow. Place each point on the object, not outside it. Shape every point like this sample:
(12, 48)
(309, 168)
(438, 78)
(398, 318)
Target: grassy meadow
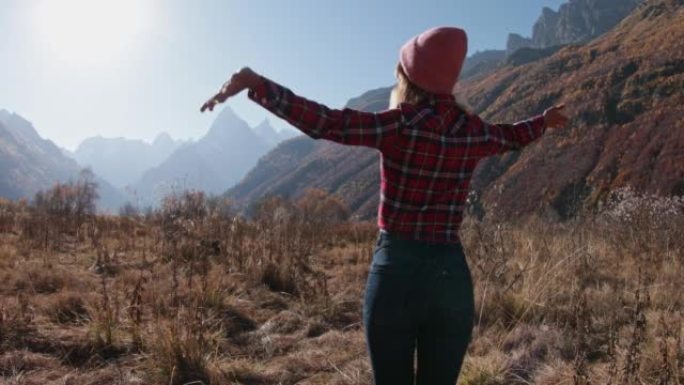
(193, 294)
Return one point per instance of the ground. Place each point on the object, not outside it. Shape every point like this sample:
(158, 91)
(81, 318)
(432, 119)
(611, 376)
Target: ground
(193, 294)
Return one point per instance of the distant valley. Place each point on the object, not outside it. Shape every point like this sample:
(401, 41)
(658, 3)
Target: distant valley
(134, 171)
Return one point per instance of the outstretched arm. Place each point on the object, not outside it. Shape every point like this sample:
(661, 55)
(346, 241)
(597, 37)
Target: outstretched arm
(345, 126)
(504, 137)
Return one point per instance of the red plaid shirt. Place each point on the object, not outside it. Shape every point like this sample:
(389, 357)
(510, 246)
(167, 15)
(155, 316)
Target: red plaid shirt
(428, 153)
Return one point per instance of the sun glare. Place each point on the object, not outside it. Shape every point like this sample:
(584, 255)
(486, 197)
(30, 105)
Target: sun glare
(86, 33)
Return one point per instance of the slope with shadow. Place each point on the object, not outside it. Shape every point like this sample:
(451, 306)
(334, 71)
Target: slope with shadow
(625, 92)
(29, 163)
(301, 163)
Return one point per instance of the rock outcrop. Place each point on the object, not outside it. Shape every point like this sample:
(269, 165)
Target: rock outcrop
(576, 21)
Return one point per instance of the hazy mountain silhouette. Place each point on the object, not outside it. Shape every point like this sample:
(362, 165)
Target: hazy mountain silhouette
(29, 163)
(266, 131)
(212, 164)
(123, 161)
(624, 92)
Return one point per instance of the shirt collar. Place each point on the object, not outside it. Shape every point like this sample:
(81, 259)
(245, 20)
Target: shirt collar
(441, 98)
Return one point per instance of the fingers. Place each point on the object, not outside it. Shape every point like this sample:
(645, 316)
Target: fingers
(228, 89)
(561, 115)
(211, 103)
(206, 106)
(559, 121)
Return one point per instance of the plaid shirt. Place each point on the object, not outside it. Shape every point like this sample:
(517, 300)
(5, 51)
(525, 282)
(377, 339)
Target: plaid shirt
(428, 153)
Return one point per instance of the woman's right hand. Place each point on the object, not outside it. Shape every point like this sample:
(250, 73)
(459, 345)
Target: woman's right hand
(241, 80)
(554, 118)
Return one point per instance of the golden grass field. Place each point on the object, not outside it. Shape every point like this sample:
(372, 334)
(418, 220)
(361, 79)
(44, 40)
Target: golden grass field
(191, 294)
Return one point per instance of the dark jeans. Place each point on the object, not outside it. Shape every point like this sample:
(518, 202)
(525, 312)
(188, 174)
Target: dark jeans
(419, 296)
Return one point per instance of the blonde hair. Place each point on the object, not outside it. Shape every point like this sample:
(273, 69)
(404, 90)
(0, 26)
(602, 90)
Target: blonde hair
(405, 91)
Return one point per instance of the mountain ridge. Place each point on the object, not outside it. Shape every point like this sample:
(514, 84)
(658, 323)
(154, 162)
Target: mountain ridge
(212, 164)
(576, 21)
(121, 161)
(29, 163)
(606, 84)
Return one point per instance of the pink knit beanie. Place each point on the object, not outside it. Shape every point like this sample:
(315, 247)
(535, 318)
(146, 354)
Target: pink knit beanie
(433, 59)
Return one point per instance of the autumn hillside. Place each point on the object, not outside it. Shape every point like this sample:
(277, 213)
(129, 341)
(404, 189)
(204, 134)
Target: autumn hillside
(623, 91)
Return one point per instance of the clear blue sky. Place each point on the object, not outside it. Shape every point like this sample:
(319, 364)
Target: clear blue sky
(135, 68)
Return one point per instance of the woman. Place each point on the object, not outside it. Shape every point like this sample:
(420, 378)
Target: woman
(419, 294)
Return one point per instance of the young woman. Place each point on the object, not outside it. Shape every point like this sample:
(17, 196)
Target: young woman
(419, 293)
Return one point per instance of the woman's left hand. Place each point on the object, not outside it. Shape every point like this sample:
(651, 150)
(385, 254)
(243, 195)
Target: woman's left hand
(241, 80)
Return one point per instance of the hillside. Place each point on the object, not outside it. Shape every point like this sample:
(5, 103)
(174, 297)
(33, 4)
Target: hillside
(301, 163)
(29, 163)
(266, 131)
(623, 90)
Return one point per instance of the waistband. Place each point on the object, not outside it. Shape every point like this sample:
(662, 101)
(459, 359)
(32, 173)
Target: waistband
(385, 237)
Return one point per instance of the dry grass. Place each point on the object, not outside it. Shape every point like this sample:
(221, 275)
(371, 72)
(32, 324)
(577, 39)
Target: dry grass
(192, 294)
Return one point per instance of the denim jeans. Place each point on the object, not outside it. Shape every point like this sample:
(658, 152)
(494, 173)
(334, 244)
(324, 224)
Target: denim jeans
(418, 298)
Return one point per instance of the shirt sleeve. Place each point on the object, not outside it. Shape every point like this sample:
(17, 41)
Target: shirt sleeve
(346, 126)
(500, 138)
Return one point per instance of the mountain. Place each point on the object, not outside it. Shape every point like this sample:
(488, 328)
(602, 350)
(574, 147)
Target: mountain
(29, 163)
(516, 41)
(526, 55)
(575, 21)
(482, 62)
(123, 161)
(623, 90)
(270, 135)
(212, 164)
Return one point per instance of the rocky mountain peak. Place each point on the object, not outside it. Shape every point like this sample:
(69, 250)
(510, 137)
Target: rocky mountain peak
(266, 131)
(575, 21)
(4, 115)
(29, 163)
(516, 42)
(163, 139)
(265, 127)
(227, 124)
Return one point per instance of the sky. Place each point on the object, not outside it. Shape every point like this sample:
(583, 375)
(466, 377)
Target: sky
(136, 68)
